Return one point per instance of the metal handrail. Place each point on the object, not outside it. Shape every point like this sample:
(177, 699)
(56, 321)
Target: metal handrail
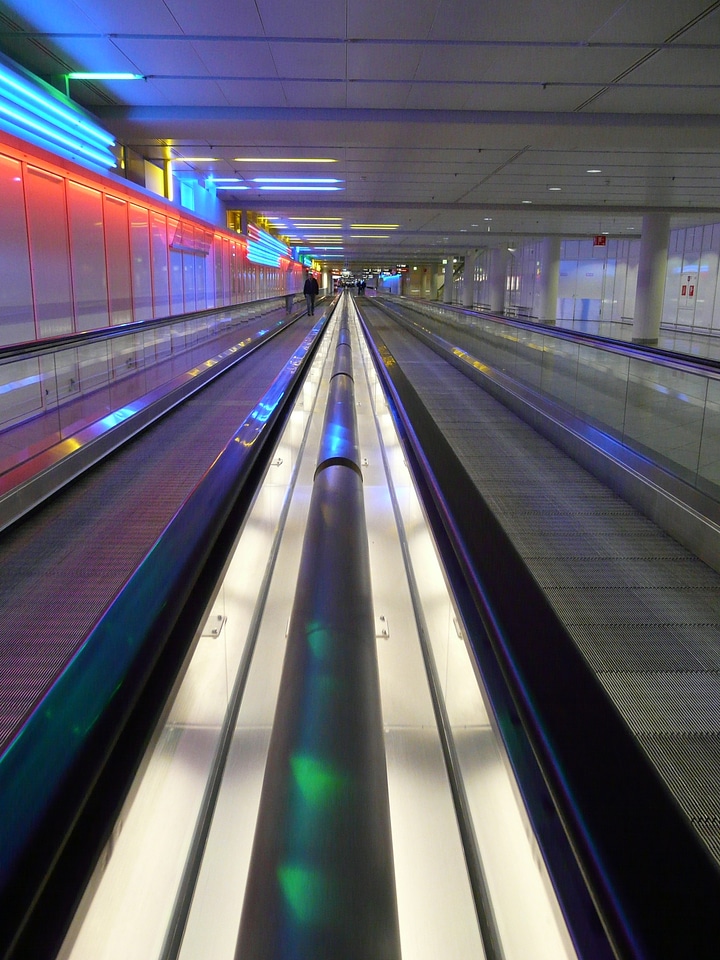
(321, 877)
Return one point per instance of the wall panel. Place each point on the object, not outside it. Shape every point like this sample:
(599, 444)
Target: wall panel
(141, 269)
(17, 320)
(117, 250)
(87, 256)
(176, 275)
(160, 273)
(49, 252)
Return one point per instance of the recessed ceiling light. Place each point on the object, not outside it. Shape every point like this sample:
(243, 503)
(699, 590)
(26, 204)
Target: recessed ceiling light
(298, 187)
(284, 160)
(105, 76)
(594, 170)
(296, 180)
(526, 201)
(554, 188)
(487, 218)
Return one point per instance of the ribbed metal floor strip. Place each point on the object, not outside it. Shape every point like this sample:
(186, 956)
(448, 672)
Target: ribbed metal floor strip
(64, 563)
(644, 612)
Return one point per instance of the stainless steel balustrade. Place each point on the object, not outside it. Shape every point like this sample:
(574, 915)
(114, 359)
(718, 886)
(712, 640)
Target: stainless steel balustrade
(665, 407)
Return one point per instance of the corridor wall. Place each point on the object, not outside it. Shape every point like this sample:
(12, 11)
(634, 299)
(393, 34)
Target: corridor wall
(79, 251)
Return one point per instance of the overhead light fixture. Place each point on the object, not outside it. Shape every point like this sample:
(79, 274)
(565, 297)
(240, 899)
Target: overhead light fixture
(526, 201)
(317, 220)
(231, 180)
(298, 188)
(296, 180)
(236, 186)
(374, 226)
(594, 170)
(196, 159)
(105, 76)
(284, 160)
(557, 189)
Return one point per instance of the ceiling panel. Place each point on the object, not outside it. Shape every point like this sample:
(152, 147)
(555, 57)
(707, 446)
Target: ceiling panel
(642, 21)
(309, 61)
(392, 62)
(404, 19)
(676, 100)
(524, 97)
(109, 16)
(195, 92)
(438, 96)
(176, 58)
(317, 94)
(312, 18)
(381, 96)
(568, 66)
(266, 93)
(675, 67)
(221, 17)
(235, 58)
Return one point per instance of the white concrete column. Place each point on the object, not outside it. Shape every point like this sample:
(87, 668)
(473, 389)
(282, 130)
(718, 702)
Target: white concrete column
(549, 279)
(447, 289)
(652, 269)
(468, 294)
(497, 278)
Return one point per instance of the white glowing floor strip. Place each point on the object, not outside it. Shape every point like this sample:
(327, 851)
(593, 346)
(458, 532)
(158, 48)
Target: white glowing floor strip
(436, 912)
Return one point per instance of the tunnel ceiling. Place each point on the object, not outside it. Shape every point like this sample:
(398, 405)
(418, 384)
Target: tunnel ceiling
(452, 124)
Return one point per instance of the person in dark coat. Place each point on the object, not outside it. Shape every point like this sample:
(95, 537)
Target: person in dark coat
(311, 290)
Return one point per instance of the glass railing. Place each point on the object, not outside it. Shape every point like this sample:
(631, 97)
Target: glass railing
(51, 390)
(664, 407)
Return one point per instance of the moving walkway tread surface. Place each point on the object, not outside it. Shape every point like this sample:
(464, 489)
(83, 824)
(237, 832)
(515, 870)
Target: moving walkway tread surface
(642, 610)
(65, 562)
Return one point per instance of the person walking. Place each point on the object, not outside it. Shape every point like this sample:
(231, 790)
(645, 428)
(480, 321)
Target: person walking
(311, 290)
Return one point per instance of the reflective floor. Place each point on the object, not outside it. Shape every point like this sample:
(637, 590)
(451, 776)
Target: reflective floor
(132, 899)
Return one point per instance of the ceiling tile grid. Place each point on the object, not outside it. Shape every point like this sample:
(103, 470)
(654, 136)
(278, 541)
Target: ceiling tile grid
(443, 111)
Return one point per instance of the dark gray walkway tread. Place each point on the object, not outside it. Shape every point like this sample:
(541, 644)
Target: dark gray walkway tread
(644, 611)
(64, 563)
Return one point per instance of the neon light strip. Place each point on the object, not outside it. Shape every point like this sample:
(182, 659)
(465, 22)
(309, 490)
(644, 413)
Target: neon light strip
(300, 189)
(23, 123)
(296, 180)
(262, 248)
(49, 109)
(284, 160)
(105, 76)
(29, 112)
